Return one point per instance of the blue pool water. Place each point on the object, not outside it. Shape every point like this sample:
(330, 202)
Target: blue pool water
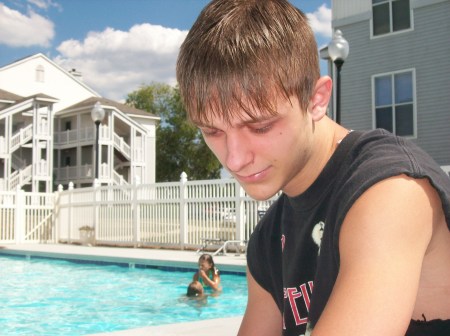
(60, 297)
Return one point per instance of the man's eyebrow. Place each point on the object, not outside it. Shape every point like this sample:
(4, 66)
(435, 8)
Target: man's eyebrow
(199, 123)
(255, 120)
(259, 119)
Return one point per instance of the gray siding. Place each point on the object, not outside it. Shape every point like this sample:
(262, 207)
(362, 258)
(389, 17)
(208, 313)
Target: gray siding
(426, 49)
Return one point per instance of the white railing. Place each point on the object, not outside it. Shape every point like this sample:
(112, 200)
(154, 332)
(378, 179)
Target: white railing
(71, 173)
(27, 217)
(74, 136)
(118, 179)
(177, 214)
(41, 168)
(23, 176)
(17, 162)
(86, 172)
(174, 214)
(42, 128)
(80, 135)
(21, 137)
(122, 146)
(138, 155)
(88, 135)
(20, 177)
(3, 147)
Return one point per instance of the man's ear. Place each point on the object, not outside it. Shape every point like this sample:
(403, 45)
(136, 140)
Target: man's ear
(321, 97)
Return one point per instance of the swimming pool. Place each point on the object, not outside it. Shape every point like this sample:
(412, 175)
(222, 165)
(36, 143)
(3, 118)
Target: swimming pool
(61, 297)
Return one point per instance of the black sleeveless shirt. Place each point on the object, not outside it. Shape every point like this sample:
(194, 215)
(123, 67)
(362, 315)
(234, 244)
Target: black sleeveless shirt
(293, 251)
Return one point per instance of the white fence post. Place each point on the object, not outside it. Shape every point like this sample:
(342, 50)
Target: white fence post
(183, 210)
(56, 212)
(97, 198)
(240, 212)
(19, 223)
(135, 215)
(71, 213)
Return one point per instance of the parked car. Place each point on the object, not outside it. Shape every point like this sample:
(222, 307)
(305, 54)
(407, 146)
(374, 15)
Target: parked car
(218, 212)
(229, 217)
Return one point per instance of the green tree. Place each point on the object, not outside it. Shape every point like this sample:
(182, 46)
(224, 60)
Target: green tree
(179, 144)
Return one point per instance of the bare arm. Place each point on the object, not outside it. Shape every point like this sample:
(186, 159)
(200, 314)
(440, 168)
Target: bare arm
(214, 283)
(262, 316)
(382, 244)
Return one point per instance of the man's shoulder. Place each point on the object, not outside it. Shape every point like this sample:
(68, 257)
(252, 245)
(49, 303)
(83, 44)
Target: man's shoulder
(378, 152)
(377, 156)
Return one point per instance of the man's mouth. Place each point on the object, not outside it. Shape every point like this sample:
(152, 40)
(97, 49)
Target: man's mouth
(252, 178)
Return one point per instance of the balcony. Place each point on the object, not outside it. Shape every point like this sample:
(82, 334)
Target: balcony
(85, 173)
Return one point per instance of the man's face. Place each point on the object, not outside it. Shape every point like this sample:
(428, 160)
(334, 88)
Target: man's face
(266, 155)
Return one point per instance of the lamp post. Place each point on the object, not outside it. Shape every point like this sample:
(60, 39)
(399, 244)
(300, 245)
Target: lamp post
(338, 50)
(97, 114)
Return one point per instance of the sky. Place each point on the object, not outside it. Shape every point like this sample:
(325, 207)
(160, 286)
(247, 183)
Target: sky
(117, 45)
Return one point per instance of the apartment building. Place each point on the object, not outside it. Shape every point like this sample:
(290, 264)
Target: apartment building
(396, 74)
(48, 137)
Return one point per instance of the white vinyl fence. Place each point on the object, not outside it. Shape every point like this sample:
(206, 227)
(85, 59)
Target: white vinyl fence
(27, 217)
(176, 214)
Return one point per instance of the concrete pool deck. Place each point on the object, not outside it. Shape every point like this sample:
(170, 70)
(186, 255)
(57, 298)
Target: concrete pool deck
(145, 256)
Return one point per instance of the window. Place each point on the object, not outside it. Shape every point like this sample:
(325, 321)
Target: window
(390, 16)
(40, 74)
(394, 102)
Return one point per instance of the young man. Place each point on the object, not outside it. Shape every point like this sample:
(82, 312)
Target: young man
(359, 242)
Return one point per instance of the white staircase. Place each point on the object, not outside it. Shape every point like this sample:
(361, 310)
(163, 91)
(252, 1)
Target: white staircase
(17, 162)
(20, 177)
(118, 179)
(21, 137)
(122, 146)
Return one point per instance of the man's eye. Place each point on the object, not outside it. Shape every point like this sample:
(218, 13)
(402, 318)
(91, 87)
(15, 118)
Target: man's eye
(209, 131)
(262, 129)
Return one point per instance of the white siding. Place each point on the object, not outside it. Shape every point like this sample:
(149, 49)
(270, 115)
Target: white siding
(20, 78)
(344, 9)
(425, 48)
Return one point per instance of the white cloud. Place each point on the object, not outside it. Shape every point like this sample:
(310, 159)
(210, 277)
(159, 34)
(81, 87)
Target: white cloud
(43, 4)
(320, 21)
(19, 30)
(115, 63)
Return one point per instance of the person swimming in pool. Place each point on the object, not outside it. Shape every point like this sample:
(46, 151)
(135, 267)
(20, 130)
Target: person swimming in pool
(208, 274)
(195, 289)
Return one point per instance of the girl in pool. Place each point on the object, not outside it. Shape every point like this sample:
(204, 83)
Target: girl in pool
(208, 274)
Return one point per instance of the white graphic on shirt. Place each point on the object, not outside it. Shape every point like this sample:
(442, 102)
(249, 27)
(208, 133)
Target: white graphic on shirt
(317, 234)
(309, 330)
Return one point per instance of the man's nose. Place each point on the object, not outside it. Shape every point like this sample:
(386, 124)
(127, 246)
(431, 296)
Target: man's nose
(239, 154)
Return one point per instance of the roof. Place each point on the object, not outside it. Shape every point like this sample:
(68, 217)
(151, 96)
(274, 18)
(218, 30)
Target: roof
(9, 99)
(88, 103)
(9, 96)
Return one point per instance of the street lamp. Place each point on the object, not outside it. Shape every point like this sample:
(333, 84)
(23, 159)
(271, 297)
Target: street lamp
(97, 114)
(338, 50)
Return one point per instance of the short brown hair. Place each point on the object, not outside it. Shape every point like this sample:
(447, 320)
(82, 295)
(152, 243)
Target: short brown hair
(195, 288)
(242, 54)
